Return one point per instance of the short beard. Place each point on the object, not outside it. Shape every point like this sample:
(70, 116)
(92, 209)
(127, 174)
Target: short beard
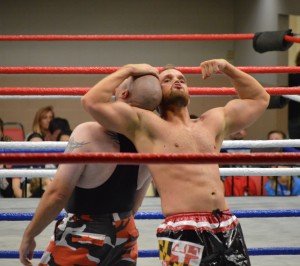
(179, 100)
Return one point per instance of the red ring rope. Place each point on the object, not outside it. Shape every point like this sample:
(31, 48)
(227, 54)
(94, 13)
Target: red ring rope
(134, 37)
(109, 70)
(192, 90)
(146, 158)
(232, 91)
(291, 39)
(127, 37)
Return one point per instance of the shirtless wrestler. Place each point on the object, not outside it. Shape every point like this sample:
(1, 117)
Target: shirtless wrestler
(199, 229)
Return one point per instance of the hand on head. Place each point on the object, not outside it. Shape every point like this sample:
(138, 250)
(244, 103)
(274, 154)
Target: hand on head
(143, 69)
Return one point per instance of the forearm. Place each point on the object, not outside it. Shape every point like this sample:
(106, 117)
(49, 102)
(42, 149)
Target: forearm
(105, 88)
(49, 208)
(246, 86)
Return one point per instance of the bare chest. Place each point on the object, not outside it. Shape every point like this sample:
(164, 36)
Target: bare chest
(195, 139)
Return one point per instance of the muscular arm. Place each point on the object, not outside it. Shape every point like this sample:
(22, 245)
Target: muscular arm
(52, 202)
(116, 116)
(253, 98)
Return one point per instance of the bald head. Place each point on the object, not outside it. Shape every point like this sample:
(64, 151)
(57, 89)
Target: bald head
(143, 92)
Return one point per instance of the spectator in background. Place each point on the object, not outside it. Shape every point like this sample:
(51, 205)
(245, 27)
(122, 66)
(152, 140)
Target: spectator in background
(37, 185)
(239, 135)
(41, 122)
(276, 135)
(283, 185)
(260, 181)
(5, 183)
(239, 185)
(60, 129)
(2, 136)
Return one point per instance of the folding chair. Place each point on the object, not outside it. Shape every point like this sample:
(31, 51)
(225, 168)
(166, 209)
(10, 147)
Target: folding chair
(15, 130)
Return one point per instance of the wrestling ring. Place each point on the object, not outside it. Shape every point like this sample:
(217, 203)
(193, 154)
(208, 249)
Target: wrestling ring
(270, 224)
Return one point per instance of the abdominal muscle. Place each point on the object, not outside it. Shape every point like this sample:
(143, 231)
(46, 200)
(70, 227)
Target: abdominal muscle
(199, 189)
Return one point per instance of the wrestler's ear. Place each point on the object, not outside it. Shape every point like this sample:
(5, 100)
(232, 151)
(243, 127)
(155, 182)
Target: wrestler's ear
(124, 94)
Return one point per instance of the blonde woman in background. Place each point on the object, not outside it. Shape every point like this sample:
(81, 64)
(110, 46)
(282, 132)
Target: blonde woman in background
(41, 122)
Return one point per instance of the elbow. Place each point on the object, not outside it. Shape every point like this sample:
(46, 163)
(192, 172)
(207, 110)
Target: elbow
(262, 99)
(59, 198)
(59, 195)
(88, 104)
(84, 102)
(266, 100)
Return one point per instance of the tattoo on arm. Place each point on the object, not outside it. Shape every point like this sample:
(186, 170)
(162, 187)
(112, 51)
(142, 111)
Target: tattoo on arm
(72, 145)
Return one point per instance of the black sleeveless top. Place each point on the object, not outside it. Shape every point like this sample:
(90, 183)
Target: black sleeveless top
(115, 195)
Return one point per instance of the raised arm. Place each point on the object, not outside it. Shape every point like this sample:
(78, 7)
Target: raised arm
(253, 98)
(97, 101)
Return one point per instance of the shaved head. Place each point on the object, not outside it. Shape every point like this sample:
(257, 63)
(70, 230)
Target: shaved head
(143, 92)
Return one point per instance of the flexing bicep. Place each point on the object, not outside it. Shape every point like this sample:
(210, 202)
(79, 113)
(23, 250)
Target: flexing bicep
(241, 113)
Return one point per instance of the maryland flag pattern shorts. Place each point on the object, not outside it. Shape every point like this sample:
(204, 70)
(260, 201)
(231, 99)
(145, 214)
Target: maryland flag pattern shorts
(206, 239)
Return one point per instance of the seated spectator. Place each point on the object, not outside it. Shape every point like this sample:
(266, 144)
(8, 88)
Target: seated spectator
(6, 190)
(276, 135)
(272, 135)
(60, 129)
(283, 185)
(35, 137)
(5, 183)
(240, 186)
(2, 136)
(260, 181)
(239, 135)
(37, 186)
(18, 186)
(41, 122)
